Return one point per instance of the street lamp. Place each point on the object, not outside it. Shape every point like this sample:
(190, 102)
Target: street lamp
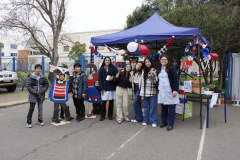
(155, 7)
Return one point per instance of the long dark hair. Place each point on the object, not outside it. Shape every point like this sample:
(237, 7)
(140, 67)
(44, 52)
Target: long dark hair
(125, 72)
(111, 67)
(168, 67)
(146, 70)
(135, 70)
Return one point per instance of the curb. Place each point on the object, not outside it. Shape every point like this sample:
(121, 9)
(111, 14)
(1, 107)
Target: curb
(14, 103)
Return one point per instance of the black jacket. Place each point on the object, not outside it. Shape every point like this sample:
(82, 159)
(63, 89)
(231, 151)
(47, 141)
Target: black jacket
(123, 81)
(173, 79)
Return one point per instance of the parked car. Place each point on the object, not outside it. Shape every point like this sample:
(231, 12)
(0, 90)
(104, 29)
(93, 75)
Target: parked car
(8, 80)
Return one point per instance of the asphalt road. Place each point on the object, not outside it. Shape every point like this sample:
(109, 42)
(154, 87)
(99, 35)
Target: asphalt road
(94, 139)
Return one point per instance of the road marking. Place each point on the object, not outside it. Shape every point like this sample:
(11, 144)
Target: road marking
(122, 146)
(199, 157)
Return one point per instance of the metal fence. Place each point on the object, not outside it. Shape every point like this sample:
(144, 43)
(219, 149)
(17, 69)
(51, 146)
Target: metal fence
(25, 66)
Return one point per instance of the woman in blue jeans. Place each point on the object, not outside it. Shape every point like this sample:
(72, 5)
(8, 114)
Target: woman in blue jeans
(149, 93)
(136, 75)
(168, 91)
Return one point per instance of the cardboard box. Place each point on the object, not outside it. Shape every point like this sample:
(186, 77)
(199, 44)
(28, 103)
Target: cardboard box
(180, 109)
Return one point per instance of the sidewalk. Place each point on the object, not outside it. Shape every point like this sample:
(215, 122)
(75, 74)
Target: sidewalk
(13, 98)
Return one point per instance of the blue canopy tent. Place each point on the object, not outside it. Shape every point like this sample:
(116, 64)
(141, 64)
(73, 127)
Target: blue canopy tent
(155, 32)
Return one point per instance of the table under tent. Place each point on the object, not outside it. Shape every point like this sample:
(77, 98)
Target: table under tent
(155, 32)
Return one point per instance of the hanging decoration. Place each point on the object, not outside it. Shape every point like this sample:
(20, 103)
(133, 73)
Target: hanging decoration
(95, 52)
(214, 56)
(143, 49)
(157, 55)
(186, 64)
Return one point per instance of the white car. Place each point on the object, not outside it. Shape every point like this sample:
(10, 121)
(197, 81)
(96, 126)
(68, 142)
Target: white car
(8, 80)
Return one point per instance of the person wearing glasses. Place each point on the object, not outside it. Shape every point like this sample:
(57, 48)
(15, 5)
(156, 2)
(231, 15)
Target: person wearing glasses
(168, 91)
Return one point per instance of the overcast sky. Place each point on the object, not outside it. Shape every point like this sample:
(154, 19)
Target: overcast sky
(94, 15)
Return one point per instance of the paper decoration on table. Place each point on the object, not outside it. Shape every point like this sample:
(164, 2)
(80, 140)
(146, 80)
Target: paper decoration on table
(188, 86)
(214, 99)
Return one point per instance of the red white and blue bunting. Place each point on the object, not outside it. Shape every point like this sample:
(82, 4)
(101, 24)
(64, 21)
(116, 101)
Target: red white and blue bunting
(156, 56)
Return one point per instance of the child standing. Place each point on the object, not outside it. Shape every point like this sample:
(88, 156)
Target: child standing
(79, 89)
(37, 85)
(59, 92)
(123, 81)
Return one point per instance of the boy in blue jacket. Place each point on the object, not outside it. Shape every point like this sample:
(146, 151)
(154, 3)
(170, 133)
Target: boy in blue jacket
(78, 79)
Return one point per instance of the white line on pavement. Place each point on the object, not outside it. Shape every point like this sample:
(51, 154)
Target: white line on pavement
(122, 146)
(199, 157)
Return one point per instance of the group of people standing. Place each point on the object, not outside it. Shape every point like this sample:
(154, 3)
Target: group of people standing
(152, 85)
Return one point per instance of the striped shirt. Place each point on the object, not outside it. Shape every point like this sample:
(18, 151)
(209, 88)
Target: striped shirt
(151, 85)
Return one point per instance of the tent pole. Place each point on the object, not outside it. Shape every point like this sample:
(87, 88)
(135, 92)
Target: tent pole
(199, 64)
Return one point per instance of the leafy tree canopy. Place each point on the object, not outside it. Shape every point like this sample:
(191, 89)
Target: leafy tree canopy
(77, 50)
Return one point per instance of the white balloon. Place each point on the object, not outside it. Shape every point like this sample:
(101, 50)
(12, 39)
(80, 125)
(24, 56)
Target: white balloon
(132, 46)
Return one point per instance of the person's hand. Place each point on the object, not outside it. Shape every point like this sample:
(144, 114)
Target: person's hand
(174, 93)
(152, 70)
(110, 79)
(102, 92)
(130, 78)
(117, 75)
(90, 77)
(83, 95)
(64, 64)
(52, 68)
(70, 72)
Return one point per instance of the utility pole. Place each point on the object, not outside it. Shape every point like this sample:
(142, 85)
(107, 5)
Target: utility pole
(0, 54)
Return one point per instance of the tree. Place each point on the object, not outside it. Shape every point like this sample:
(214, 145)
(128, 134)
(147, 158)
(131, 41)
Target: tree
(36, 18)
(77, 50)
(219, 24)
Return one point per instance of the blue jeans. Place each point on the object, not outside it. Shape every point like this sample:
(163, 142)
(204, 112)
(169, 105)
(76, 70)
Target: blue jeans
(168, 114)
(150, 109)
(137, 104)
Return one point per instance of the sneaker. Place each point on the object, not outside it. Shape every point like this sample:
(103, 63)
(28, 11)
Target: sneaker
(29, 125)
(119, 121)
(77, 117)
(40, 122)
(102, 118)
(82, 119)
(61, 118)
(134, 120)
(69, 118)
(154, 125)
(55, 121)
(144, 124)
(127, 120)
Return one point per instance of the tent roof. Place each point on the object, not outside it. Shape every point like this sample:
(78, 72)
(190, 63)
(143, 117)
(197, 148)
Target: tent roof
(155, 32)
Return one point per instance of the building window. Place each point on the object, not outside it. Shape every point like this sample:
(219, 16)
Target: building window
(14, 54)
(100, 47)
(66, 48)
(2, 54)
(2, 44)
(36, 53)
(13, 46)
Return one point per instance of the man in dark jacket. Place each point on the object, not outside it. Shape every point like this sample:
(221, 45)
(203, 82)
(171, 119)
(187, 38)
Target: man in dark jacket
(37, 85)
